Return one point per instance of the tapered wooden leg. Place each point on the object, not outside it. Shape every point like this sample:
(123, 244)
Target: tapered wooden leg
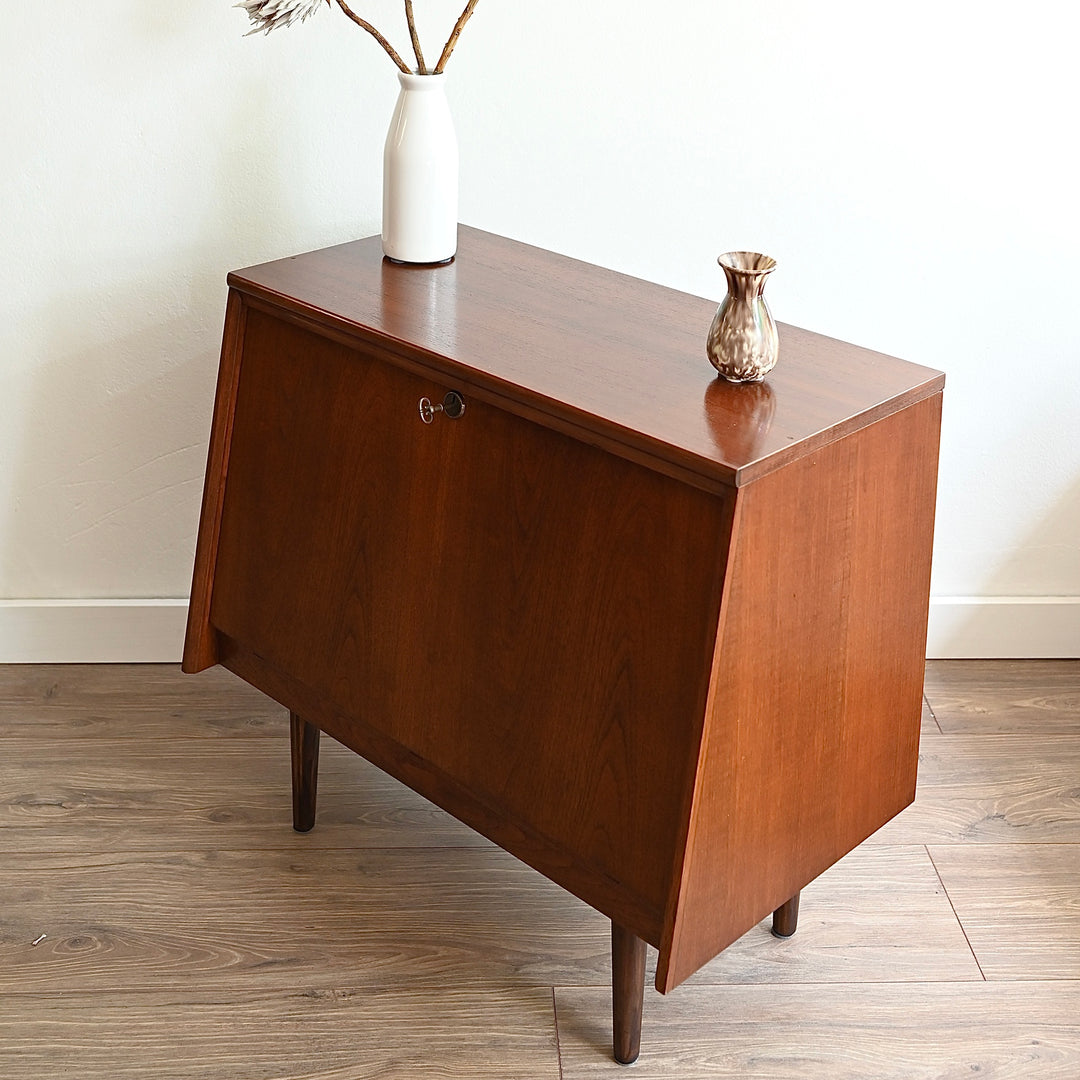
(786, 917)
(627, 992)
(305, 771)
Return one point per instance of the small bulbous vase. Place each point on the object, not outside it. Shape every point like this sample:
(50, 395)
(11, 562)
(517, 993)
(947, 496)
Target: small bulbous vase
(743, 345)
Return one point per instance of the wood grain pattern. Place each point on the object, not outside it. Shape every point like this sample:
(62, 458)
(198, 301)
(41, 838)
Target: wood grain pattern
(263, 919)
(885, 1031)
(237, 918)
(815, 705)
(252, 968)
(580, 350)
(880, 914)
(200, 648)
(517, 612)
(975, 789)
(1020, 906)
(340, 1033)
(74, 701)
(198, 794)
(606, 894)
(453, 602)
(998, 697)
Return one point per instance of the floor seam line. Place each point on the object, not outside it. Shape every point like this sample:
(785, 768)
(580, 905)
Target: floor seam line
(558, 1043)
(963, 929)
(933, 715)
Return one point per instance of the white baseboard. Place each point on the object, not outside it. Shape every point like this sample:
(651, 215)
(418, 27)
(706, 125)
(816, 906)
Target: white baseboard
(91, 631)
(146, 631)
(1003, 627)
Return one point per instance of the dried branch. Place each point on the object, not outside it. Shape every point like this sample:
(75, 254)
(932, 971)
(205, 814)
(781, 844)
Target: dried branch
(267, 15)
(421, 67)
(387, 47)
(466, 15)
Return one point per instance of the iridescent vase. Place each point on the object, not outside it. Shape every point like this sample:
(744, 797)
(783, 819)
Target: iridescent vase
(743, 345)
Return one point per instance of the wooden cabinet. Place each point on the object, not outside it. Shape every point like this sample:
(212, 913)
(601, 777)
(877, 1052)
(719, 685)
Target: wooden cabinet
(658, 636)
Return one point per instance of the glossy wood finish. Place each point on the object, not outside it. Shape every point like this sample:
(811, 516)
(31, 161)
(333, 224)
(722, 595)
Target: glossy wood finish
(627, 993)
(816, 680)
(200, 645)
(304, 739)
(420, 601)
(786, 918)
(657, 636)
(612, 359)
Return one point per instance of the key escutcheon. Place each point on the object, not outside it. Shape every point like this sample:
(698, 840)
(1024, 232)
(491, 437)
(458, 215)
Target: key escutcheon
(453, 405)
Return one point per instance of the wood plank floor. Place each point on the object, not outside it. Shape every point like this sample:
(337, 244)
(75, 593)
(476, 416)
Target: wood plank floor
(191, 934)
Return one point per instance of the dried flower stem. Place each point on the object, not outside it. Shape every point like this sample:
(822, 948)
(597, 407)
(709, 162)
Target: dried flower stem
(387, 47)
(421, 67)
(466, 15)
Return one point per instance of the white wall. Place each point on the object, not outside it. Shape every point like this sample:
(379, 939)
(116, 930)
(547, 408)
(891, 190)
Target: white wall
(912, 168)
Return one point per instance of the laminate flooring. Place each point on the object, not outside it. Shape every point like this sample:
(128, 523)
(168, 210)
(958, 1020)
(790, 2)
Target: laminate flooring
(185, 932)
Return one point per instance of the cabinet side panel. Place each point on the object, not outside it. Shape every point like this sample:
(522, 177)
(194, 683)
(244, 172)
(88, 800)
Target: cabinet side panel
(200, 646)
(523, 615)
(812, 725)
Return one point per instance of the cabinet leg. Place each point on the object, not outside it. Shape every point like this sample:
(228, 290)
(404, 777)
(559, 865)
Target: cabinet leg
(305, 771)
(627, 992)
(786, 917)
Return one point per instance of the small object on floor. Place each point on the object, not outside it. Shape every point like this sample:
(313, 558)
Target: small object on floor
(39, 939)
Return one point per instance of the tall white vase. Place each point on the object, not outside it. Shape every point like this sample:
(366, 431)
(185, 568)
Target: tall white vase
(420, 174)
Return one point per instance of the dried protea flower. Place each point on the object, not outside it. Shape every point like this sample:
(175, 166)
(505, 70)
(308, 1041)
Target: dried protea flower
(267, 15)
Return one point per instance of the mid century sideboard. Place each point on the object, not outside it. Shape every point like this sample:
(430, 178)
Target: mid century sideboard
(496, 526)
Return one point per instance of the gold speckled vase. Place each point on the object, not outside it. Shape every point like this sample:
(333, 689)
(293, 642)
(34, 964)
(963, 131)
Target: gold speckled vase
(743, 345)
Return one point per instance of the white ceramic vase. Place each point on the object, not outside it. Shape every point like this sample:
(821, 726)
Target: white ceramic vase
(420, 174)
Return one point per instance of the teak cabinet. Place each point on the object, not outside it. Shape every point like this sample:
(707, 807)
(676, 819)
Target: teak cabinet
(658, 636)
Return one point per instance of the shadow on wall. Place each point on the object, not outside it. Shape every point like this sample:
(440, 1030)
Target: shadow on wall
(108, 476)
(114, 414)
(1037, 623)
(118, 361)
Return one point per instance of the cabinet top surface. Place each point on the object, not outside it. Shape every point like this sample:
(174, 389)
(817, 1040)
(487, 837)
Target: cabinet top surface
(610, 355)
